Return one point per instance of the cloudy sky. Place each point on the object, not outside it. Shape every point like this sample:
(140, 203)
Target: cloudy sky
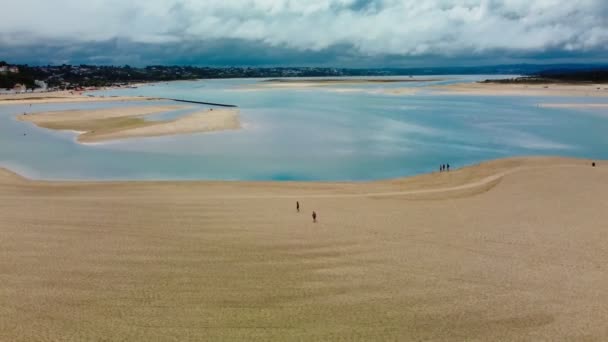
(350, 33)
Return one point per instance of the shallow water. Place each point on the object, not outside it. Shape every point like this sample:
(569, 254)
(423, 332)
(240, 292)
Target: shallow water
(339, 132)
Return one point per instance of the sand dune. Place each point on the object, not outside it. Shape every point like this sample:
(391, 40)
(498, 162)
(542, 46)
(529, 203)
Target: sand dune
(512, 249)
(129, 122)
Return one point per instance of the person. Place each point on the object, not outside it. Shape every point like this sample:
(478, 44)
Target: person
(440, 168)
(448, 167)
(593, 164)
(314, 217)
(298, 206)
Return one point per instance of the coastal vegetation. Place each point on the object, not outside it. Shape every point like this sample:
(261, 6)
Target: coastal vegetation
(558, 76)
(84, 76)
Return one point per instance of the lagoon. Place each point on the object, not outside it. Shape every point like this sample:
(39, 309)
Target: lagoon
(333, 133)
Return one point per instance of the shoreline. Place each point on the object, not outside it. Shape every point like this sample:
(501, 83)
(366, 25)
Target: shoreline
(503, 164)
(511, 89)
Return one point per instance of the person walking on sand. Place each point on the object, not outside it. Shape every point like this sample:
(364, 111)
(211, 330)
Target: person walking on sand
(447, 167)
(298, 206)
(314, 217)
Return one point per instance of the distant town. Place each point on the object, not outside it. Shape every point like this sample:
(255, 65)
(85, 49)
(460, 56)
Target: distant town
(15, 78)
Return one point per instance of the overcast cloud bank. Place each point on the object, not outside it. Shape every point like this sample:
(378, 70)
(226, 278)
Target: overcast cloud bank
(335, 31)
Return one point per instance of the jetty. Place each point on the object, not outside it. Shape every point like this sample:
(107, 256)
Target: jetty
(205, 103)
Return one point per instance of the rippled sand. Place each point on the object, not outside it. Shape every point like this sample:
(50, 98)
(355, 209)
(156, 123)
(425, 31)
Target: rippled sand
(514, 249)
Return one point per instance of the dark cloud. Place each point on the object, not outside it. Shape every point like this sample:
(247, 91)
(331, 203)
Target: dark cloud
(230, 52)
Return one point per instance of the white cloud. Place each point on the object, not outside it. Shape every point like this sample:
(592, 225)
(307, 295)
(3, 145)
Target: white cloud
(402, 27)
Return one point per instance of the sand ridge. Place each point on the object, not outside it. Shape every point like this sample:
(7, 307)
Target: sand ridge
(509, 249)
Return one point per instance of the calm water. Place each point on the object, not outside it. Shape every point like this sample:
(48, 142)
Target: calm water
(311, 134)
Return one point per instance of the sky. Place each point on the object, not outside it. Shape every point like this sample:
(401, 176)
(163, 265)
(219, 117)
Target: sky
(337, 33)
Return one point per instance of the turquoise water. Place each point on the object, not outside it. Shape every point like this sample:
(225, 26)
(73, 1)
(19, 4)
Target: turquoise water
(324, 133)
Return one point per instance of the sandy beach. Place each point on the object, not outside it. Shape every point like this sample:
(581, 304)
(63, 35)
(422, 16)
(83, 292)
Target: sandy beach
(512, 249)
(497, 89)
(106, 124)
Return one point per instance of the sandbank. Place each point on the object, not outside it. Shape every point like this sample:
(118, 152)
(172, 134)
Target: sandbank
(129, 122)
(576, 105)
(305, 83)
(507, 250)
(500, 89)
(64, 97)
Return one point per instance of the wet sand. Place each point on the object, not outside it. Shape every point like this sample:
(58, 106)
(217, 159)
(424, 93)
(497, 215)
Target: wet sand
(513, 249)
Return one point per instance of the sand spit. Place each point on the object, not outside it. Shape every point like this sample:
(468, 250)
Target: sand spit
(64, 97)
(306, 83)
(497, 89)
(576, 105)
(345, 85)
(348, 80)
(203, 121)
(508, 250)
(129, 122)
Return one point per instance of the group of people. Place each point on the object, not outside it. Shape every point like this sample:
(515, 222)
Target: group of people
(444, 167)
(314, 213)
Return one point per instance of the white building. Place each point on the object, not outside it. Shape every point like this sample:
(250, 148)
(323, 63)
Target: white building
(41, 85)
(7, 68)
(20, 88)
